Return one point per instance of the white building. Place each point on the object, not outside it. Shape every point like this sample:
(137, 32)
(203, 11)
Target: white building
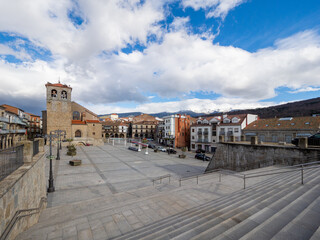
(204, 135)
(232, 125)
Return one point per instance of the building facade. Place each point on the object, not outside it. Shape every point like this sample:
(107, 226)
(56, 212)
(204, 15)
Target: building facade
(231, 126)
(204, 134)
(12, 126)
(277, 130)
(80, 124)
(176, 131)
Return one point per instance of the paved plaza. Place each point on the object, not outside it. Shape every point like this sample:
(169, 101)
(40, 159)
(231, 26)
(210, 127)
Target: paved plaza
(112, 192)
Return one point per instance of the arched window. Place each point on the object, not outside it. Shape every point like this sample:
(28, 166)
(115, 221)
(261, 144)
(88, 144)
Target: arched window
(77, 133)
(76, 115)
(54, 93)
(64, 94)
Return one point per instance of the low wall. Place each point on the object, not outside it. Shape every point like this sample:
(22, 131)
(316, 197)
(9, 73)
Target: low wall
(240, 156)
(23, 189)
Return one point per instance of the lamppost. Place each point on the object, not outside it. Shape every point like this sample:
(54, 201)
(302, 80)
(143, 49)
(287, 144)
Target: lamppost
(58, 134)
(51, 186)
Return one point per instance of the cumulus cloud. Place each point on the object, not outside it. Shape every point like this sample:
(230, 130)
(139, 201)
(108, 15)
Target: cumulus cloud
(87, 55)
(195, 104)
(214, 8)
(306, 89)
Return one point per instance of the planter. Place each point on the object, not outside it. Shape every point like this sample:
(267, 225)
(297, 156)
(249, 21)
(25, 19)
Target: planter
(75, 162)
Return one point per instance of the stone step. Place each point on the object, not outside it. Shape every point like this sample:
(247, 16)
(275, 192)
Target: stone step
(316, 235)
(254, 220)
(168, 222)
(304, 225)
(215, 226)
(284, 215)
(244, 224)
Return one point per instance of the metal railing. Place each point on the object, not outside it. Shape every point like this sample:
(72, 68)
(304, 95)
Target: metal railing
(20, 214)
(160, 178)
(287, 169)
(35, 147)
(10, 160)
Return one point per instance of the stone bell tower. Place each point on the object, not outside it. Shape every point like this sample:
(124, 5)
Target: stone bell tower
(59, 114)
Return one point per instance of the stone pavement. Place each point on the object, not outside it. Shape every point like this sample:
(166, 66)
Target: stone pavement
(111, 193)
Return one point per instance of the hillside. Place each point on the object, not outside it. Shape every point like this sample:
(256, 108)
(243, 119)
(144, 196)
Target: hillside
(293, 109)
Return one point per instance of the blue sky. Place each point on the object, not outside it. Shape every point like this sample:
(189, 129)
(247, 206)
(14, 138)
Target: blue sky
(160, 55)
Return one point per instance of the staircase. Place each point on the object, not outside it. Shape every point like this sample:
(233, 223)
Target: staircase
(277, 208)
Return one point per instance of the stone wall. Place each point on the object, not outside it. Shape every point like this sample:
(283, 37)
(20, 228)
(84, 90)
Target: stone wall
(240, 157)
(23, 189)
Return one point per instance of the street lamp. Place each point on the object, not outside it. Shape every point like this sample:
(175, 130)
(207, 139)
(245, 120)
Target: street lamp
(58, 134)
(51, 186)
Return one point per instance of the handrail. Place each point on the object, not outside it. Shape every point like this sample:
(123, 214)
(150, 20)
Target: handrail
(160, 178)
(285, 167)
(17, 216)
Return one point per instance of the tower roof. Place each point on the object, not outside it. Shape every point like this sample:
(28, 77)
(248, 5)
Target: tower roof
(58, 85)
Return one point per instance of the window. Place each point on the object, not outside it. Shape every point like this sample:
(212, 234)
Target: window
(64, 95)
(76, 115)
(53, 93)
(77, 133)
(274, 138)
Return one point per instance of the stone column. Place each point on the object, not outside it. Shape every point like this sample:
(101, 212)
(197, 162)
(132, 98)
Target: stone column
(27, 151)
(41, 144)
(303, 142)
(254, 140)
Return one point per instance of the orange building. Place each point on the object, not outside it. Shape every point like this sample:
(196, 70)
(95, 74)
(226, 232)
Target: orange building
(177, 130)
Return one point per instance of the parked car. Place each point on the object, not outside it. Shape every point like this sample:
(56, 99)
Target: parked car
(202, 156)
(133, 149)
(162, 149)
(313, 140)
(151, 146)
(200, 151)
(171, 150)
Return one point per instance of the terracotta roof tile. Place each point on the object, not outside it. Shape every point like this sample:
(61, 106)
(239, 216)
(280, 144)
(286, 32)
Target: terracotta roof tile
(308, 122)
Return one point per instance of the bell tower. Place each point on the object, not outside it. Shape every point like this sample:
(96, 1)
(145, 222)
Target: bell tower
(59, 114)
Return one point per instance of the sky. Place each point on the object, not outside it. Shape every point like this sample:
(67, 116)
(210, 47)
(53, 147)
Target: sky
(160, 55)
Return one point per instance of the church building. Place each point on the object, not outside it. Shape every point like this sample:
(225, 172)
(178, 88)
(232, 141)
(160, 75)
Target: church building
(80, 124)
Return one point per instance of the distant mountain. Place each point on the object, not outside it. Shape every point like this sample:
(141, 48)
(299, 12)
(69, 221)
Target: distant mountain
(292, 109)
(160, 115)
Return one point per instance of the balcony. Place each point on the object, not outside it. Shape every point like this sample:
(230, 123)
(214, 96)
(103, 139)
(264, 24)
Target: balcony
(4, 131)
(206, 140)
(4, 119)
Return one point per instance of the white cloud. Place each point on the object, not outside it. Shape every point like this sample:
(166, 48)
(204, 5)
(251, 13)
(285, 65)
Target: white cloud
(181, 63)
(194, 104)
(306, 89)
(214, 8)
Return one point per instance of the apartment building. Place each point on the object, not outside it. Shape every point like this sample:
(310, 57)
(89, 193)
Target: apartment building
(282, 129)
(12, 126)
(204, 134)
(231, 126)
(177, 130)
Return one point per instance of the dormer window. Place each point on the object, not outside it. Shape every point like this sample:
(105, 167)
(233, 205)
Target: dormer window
(226, 120)
(235, 120)
(54, 93)
(64, 94)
